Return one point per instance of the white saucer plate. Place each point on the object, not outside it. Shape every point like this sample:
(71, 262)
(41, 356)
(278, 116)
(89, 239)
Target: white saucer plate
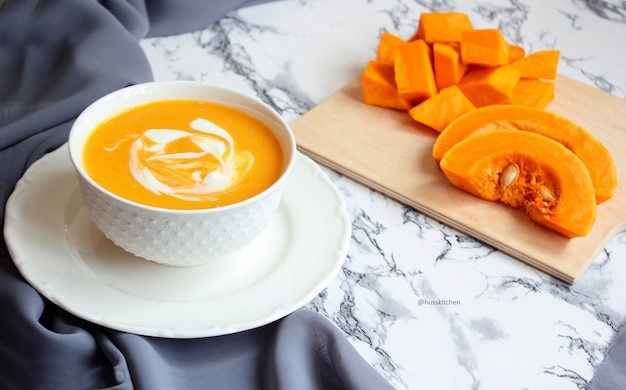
(61, 253)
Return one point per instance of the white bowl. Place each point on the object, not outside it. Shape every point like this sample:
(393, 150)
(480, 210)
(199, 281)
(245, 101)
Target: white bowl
(178, 237)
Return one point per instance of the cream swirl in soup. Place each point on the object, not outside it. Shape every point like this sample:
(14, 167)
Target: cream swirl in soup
(183, 154)
(208, 165)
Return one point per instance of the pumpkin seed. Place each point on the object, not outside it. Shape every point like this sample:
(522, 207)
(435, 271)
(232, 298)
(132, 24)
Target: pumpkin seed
(508, 176)
(547, 195)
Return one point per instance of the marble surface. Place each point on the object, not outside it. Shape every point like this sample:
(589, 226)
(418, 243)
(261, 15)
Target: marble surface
(427, 306)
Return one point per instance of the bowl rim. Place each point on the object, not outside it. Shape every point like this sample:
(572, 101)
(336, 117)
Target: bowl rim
(75, 156)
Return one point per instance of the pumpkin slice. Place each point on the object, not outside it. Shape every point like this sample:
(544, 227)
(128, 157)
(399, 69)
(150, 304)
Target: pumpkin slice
(594, 155)
(526, 171)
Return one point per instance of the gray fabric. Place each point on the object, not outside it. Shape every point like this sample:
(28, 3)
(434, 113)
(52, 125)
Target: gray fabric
(611, 373)
(56, 57)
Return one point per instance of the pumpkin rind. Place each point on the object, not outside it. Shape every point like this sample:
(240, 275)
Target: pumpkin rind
(593, 153)
(476, 164)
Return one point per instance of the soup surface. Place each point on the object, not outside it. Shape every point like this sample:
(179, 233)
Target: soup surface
(183, 154)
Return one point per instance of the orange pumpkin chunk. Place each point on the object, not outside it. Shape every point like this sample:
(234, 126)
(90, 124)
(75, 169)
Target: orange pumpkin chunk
(516, 53)
(379, 87)
(449, 69)
(442, 27)
(533, 92)
(540, 65)
(591, 152)
(484, 47)
(413, 67)
(485, 86)
(386, 46)
(526, 171)
(439, 110)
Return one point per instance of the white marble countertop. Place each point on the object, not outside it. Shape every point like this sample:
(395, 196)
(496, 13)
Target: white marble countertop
(493, 322)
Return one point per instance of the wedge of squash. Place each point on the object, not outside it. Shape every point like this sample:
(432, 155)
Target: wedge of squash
(593, 153)
(526, 171)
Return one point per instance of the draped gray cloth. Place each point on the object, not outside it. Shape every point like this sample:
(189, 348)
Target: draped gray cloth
(611, 373)
(56, 57)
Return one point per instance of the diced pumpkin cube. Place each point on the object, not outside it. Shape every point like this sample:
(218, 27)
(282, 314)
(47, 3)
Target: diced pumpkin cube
(484, 86)
(533, 92)
(442, 27)
(540, 65)
(379, 87)
(485, 47)
(516, 53)
(414, 74)
(449, 69)
(441, 109)
(387, 44)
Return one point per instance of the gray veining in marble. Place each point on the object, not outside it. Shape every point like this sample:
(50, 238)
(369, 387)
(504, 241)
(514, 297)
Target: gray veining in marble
(427, 306)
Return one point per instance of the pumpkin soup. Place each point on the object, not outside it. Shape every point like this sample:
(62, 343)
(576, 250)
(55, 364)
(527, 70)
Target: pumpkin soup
(183, 154)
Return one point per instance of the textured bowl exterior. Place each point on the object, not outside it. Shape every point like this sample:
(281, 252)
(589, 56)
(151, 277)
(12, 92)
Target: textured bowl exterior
(178, 237)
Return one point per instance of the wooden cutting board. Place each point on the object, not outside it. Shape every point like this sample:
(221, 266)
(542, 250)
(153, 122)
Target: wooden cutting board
(389, 152)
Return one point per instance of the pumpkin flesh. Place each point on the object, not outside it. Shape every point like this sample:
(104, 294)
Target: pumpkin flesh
(484, 47)
(593, 153)
(439, 110)
(386, 46)
(414, 74)
(442, 27)
(379, 87)
(447, 64)
(485, 86)
(552, 185)
(533, 93)
(541, 64)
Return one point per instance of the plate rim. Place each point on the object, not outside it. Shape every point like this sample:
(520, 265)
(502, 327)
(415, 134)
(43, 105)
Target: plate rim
(58, 160)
